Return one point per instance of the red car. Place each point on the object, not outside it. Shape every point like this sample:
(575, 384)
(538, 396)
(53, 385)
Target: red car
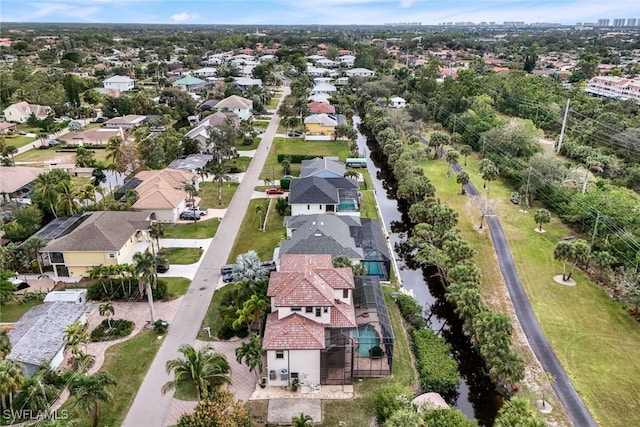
(275, 191)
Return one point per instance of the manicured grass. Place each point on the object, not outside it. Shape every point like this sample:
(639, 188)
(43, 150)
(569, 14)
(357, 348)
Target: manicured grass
(250, 237)
(368, 205)
(213, 319)
(119, 362)
(209, 194)
(18, 140)
(361, 410)
(203, 229)
(261, 124)
(12, 311)
(44, 155)
(176, 286)
(241, 163)
(254, 144)
(183, 255)
(597, 342)
(273, 103)
(299, 146)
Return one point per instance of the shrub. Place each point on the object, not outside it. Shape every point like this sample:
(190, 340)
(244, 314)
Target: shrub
(389, 399)
(119, 328)
(438, 371)
(161, 326)
(295, 158)
(114, 290)
(285, 183)
(411, 310)
(160, 291)
(281, 206)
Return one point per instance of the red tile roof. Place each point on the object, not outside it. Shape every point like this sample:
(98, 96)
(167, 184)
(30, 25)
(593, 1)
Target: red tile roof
(293, 332)
(342, 315)
(320, 107)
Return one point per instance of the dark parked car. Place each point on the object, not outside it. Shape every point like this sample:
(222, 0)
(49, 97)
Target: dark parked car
(53, 143)
(191, 215)
(162, 268)
(294, 133)
(227, 278)
(271, 265)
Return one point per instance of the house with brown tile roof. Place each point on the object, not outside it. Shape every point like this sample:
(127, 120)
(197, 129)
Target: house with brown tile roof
(161, 193)
(21, 111)
(311, 305)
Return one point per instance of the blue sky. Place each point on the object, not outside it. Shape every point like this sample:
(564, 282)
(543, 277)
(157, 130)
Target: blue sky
(325, 12)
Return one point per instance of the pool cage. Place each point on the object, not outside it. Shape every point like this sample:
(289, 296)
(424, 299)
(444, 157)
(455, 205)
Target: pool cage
(373, 337)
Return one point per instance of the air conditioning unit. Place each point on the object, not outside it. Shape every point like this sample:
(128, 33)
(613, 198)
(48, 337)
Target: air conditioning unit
(284, 374)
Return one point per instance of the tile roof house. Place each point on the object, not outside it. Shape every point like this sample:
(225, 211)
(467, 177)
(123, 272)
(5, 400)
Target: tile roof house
(361, 239)
(95, 136)
(6, 127)
(322, 167)
(21, 111)
(314, 195)
(16, 180)
(39, 334)
(311, 302)
(243, 107)
(99, 238)
(200, 132)
(321, 107)
(161, 193)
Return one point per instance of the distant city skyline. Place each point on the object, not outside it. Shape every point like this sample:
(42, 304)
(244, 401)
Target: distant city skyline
(325, 12)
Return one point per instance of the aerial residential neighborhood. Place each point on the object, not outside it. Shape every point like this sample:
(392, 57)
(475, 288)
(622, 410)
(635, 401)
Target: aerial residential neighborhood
(393, 225)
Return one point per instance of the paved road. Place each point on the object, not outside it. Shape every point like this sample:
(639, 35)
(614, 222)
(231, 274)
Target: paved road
(573, 405)
(150, 407)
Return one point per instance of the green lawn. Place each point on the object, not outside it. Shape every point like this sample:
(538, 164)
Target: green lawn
(209, 194)
(274, 103)
(361, 410)
(203, 229)
(12, 311)
(44, 155)
(241, 163)
(18, 140)
(118, 362)
(597, 342)
(261, 124)
(299, 146)
(241, 146)
(182, 255)
(213, 319)
(176, 286)
(368, 205)
(251, 238)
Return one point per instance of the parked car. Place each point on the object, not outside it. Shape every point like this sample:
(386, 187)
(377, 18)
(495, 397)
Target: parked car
(271, 265)
(294, 133)
(100, 120)
(288, 177)
(162, 268)
(199, 210)
(18, 284)
(515, 197)
(274, 191)
(188, 214)
(227, 278)
(227, 268)
(21, 132)
(157, 129)
(54, 143)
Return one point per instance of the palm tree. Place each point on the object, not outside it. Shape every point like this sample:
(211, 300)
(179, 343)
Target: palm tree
(260, 211)
(32, 247)
(452, 158)
(249, 266)
(251, 352)
(156, 231)
(252, 311)
(107, 309)
(466, 150)
(10, 151)
(286, 165)
(36, 394)
(145, 268)
(5, 344)
(46, 190)
(191, 191)
(350, 173)
(90, 390)
(488, 171)
(67, 204)
(220, 174)
(203, 368)
(203, 173)
(75, 335)
(268, 182)
(541, 216)
(462, 179)
(563, 252)
(301, 420)
(11, 380)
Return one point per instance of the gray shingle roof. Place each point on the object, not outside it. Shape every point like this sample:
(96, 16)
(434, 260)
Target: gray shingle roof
(39, 334)
(314, 166)
(318, 190)
(321, 234)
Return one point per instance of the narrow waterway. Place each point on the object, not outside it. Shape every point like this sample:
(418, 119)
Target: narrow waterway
(476, 397)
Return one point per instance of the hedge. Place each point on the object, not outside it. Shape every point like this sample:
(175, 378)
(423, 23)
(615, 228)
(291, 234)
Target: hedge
(437, 369)
(411, 310)
(295, 158)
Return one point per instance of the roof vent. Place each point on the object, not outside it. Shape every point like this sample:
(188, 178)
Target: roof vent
(317, 235)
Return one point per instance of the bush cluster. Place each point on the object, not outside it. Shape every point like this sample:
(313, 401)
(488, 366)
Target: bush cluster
(119, 328)
(437, 370)
(295, 158)
(411, 310)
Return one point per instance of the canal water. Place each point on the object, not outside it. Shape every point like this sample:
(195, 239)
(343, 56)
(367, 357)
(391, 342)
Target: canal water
(476, 396)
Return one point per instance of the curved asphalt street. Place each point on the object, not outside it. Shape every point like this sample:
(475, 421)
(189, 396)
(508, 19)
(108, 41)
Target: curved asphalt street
(150, 406)
(573, 405)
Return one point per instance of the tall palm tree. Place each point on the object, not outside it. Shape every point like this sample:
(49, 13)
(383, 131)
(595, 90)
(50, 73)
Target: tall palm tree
(32, 247)
(251, 352)
(190, 189)
(203, 368)
(462, 179)
(203, 173)
(144, 265)
(5, 344)
(107, 309)
(11, 380)
(220, 174)
(465, 150)
(156, 231)
(452, 158)
(67, 204)
(252, 312)
(563, 252)
(75, 335)
(260, 211)
(46, 190)
(90, 390)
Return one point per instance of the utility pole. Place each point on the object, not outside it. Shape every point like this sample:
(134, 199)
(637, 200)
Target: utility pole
(564, 125)
(526, 191)
(595, 229)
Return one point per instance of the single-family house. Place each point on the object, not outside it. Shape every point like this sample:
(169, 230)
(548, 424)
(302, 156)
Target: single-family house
(190, 84)
(320, 108)
(95, 136)
(319, 126)
(17, 181)
(327, 88)
(125, 122)
(346, 60)
(178, 72)
(200, 132)
(21, 111)
(311, 310)
(6, 127)
(362, 72)
(397, 102)
(191, 163)
(208, 105)
(205, 72)
(38, 337)
(243, 107)
(119, 83)
(105, 237)
(320, 97)
(327, 63)
(244, 83)
(314, 195)
(322, 167)
(161, 193)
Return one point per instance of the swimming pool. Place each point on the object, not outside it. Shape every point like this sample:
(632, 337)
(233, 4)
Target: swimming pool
(347, 205)
(368, 338)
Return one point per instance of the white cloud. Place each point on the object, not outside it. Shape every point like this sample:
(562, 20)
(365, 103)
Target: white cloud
(183, 17)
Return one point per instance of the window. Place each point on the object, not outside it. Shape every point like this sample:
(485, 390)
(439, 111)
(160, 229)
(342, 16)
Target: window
(279, 354)
(320, 207)
(112, 256)
(326, 309)
(345, 293)
(308, 309)
(318, 314)
(294, 375)
(56, 257)
(308, 207)
(296, 309)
